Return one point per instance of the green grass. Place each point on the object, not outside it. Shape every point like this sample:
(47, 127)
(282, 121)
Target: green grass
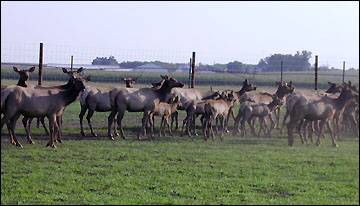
(177, 170)
(174, 170)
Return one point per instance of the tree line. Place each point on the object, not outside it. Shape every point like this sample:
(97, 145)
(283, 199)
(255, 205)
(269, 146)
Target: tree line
(297, 62)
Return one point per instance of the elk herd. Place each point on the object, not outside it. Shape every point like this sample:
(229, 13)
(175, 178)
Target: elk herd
(309, 111)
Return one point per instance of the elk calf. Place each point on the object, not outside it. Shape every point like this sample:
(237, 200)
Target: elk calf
(165, 110)
(250, 110)
(218, 108)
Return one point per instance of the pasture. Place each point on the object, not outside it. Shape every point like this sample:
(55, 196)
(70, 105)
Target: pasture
(174, 170)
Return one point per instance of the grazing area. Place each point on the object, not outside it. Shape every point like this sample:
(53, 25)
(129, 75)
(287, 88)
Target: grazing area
(175, 169)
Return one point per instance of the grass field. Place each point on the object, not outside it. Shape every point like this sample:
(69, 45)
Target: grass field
(174, 170)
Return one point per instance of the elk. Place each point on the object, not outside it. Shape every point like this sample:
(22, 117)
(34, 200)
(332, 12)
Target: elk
(218, 108)
(24, 75)
(33, 102)
(321, 108)
(165, 110)
(139, 100)
(249, 110)
(98, 99)
(27, 121)
(265, 97)
(194, 108)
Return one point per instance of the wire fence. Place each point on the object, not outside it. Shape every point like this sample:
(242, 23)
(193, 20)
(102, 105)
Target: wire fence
(59, 56)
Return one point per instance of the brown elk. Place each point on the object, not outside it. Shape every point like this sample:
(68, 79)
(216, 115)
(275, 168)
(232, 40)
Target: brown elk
(249, 110)
(139, 100)
(165, 110)
(265, 97)
(98, 99)
(194, 108)
(27, 121)
(218, 108)
(33, 102)
(323, 109)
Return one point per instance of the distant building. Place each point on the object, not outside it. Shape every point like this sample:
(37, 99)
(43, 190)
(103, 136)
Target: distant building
(150, 67)
(183, 68)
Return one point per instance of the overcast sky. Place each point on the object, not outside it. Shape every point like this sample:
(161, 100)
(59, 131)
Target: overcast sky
(243, 31)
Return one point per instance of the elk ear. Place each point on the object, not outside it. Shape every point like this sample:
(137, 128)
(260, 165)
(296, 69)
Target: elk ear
(277, 83)
(330, 83)
(246, 81)
(65, 70)
(164, 77)
(80, 70)
(16, 69)
(32, 69)
(123, 79)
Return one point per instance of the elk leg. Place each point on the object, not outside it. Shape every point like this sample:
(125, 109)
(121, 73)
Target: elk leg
(120, 116)
(277, 115)
(321, 129)
(115, 126)
(284, 120)
(328, 124)
(5, 120)
(223, 123)
(81, 117)
(168, 126)
(88, 117)
(111, 120)
(52, 122)
(25, 122)
(43, 124)
(13, 124)
(58, 128)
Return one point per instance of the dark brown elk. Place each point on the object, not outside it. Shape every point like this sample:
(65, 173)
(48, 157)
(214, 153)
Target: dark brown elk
(98, 99)
(323, 109)
(139, 100)
(218, 108)
(32, 102)
(249, 110)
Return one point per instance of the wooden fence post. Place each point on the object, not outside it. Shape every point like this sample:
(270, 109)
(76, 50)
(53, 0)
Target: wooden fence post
(40, 64)
(193, 71)
(281, 78)
(343, 72)
(316, 71)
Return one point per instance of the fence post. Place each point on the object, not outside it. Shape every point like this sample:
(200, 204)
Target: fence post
(40, 73)
(193, 71)
(190, 74)
(72, 60)
(343, 72)
(316, 71)
(40, 64)
(281, 79)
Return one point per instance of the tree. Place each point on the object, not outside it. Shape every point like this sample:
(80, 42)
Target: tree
(105, 61)
(297, 62)
(235, 67)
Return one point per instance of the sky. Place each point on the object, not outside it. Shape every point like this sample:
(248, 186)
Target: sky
(219, 32)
